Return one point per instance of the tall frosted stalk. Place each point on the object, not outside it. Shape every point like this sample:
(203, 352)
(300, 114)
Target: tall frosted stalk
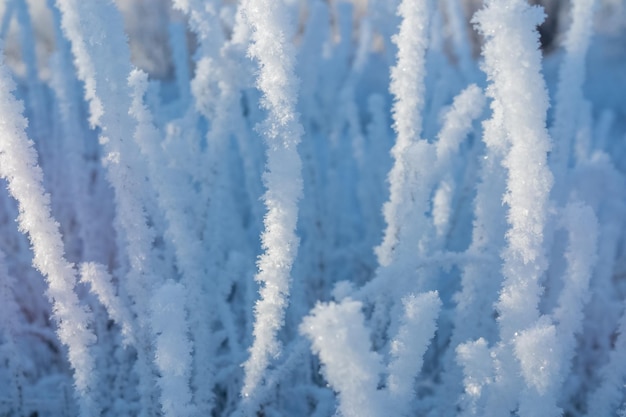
(406, 204)
(519, 93)
(272, 48)
(18, 165)
(570, 102)
(520, 97)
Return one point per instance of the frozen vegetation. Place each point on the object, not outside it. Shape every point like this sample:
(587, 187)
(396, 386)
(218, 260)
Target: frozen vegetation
(266, 208)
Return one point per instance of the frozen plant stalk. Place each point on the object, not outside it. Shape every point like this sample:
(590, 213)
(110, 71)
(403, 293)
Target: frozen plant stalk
(18, 165)
(409, 346)
(518, 91)
(410, 151)
(272, 48)
(520, 98)
(339, 336)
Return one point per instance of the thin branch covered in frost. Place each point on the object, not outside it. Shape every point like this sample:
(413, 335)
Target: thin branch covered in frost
(479, 282)
(605, 398)
(467, 106)
(474, 314)
(66, 90)
(610, 394)
(520, 92)
(340, 338)
(18, 165)
(204, 21)
(271, 46)
(410, 151)
(409, 346)
(570, 101)
(539, 352)
(101, 283)
(173, 352)
(477, 363)
(408, 231)
(582, 227)
(519, 95)
(547, 371)
(442, 207)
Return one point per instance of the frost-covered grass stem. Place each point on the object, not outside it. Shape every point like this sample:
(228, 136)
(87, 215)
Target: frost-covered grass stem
(18, 165)
(271, 47)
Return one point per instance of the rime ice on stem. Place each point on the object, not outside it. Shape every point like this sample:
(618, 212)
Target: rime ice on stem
(204, 22)
(102, 285)
(173, 352)
(609, 394)
(409, 151)
(406, 237)
(570, 102)
(480, 282)
(18, 165)
(548, 374)
(417, 329)
(272, 48)
(582, 226)
(340, 338)
(519, 94)
(467, 106)
(67, 92)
